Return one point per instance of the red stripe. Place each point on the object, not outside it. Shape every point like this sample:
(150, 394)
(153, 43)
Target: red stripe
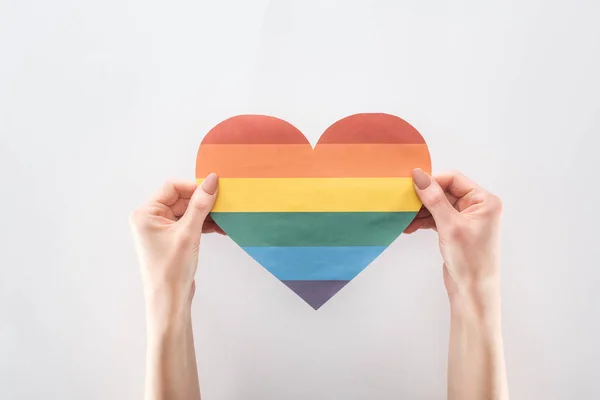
(254, 129)
(358, 128)
(372, 128)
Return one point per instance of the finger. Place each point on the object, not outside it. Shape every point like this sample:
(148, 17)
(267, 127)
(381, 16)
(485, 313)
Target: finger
(424, 212)
(208, 227)
(471, 199)
(217, 228)
(212, 227)
(452, 199)
(160, 210)
(172, 191)
(200, 204)
(433, 197)
(173, 198)
(417, 224)
(179, 207)
(455, 183)
(468, 192)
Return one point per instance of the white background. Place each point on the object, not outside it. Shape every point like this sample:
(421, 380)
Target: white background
(101, 101)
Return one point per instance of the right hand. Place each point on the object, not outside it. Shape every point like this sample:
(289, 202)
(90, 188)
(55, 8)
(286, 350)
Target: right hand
(467, 219)
(167, 231)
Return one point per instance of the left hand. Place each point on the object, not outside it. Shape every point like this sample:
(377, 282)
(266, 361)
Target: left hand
(467, 219)
(167, 233)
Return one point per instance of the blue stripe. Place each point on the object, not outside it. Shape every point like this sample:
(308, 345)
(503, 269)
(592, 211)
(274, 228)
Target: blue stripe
(315, 263)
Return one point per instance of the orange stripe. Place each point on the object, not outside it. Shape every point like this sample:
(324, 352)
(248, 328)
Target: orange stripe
(300, 161)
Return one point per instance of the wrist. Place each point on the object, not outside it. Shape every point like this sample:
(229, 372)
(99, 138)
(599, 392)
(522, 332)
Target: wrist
(478, 301)
(168, 309)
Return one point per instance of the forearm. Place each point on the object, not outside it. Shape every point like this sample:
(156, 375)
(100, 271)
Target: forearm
(171, 371)
(476, 367)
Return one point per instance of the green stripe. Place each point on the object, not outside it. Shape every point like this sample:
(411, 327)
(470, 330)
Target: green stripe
(313, 228)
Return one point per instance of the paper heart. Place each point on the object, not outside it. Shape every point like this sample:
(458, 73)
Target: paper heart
(314, 218)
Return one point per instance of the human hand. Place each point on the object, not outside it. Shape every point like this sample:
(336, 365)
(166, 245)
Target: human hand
(467, 219)
(167, 233)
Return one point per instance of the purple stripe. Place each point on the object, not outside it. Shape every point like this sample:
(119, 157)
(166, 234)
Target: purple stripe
(315, 293)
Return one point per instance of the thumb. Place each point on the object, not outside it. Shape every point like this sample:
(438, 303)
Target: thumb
(201, 203)
(433, 197)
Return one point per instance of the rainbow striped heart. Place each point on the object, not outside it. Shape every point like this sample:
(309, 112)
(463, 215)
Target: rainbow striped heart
(314, 218)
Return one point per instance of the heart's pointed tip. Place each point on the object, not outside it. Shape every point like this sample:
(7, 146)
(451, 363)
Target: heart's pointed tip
(315, 293)
(313, 305)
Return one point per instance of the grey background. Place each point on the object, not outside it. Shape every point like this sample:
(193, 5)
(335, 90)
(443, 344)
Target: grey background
(100, 102)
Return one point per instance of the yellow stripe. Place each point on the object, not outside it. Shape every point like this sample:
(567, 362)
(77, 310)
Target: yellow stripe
(315, 195)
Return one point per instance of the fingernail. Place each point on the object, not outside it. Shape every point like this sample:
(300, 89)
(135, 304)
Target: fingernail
(422, 180)
(210, 184)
